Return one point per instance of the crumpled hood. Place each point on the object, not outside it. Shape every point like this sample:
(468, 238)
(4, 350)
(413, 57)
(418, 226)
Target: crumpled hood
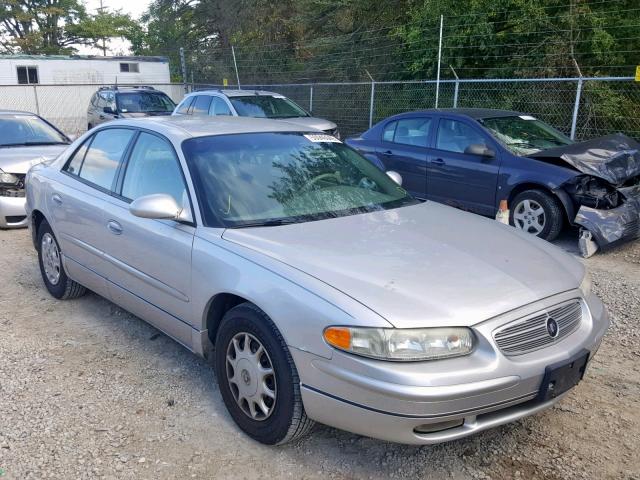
(614, 158)
(312, 122)
(21, 159)
(422, 265)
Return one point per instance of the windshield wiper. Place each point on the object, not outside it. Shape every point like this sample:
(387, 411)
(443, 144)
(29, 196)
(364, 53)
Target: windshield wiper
(276, 222)
(30, 144)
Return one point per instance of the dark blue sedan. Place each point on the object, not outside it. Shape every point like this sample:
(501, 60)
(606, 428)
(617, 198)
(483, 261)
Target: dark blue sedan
(474, 158)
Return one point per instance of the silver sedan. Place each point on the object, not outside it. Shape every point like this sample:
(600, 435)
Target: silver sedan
(319, 287)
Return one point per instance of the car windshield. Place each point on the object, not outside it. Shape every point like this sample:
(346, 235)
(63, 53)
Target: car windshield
(259, 179)
(524, 135)
(266, 106)
(25, 130)
(144, 102)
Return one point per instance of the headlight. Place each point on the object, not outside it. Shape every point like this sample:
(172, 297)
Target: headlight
(585, 286)
(411, 344)
(9, 178)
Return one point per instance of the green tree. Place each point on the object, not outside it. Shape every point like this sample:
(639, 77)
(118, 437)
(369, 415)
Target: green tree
(55, 26)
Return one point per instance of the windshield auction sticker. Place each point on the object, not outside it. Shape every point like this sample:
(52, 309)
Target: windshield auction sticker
(321, 138)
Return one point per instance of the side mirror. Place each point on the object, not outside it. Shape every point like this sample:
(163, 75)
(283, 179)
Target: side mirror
(158, 206)
(395, 176)
(479, 149)
(109, 110)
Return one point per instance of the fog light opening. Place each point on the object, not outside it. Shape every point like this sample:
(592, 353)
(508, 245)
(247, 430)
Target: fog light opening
(437, 427)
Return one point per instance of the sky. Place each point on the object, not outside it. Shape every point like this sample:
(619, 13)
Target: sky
(133, 8)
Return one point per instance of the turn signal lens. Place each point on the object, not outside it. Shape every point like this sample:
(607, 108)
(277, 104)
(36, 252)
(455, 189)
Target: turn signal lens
(339, 337)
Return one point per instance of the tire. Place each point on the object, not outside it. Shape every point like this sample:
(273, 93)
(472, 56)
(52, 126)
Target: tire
(285, 421)
(522, 214)
(49, 258)
(89, 127)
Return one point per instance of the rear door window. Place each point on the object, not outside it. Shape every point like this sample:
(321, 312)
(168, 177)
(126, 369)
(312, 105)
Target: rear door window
(104, 156)
(409, 131)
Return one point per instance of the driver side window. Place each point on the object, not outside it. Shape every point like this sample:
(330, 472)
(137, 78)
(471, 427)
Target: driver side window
(153, 168)
(456, 136)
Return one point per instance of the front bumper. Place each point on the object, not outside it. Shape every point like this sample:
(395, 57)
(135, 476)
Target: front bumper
(615, 226)
(433, 402)
(12, 212)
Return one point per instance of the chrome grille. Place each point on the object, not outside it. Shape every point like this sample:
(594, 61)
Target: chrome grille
(530, 333)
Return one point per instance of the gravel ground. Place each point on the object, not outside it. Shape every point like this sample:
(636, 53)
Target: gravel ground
(90, 391)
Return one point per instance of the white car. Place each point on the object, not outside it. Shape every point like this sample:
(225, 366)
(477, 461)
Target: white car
(252, 103)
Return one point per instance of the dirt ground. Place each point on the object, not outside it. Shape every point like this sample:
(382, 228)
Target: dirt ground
(88, 391)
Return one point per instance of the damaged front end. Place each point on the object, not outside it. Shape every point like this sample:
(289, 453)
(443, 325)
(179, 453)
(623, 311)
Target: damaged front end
(611, 214)
(606, 196)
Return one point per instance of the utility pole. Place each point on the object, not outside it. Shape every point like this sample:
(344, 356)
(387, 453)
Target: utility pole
(104, 41)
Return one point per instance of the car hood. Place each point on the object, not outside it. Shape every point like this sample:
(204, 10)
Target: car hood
(20, 159)
(614, 158)
(422, 265)
(312, 122)
(144, 114)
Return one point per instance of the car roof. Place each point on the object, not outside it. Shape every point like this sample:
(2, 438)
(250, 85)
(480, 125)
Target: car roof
(475, 113)
(181, 127)
(236, 93)
(17, 112)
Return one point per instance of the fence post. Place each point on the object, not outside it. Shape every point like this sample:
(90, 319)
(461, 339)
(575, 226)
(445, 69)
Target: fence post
(183, 67)
(455, 95)
(311, 98)
(35, 96)
(576, 108)
(439, 59)
(373, 93)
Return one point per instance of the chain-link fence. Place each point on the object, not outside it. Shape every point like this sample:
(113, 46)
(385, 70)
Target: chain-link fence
(584, 108)
(64, 105)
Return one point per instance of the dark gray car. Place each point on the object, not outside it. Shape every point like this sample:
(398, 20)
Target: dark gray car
(110, 103)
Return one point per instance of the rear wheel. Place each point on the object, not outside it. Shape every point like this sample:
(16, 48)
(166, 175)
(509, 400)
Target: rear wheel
(538, 213)
(258, 380)
(51, 267)
(89, 126)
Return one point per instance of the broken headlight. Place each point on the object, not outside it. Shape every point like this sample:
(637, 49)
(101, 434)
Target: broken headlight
(8, 179)
(593, 192)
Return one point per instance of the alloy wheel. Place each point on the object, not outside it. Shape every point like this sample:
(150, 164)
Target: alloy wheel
(529, 216)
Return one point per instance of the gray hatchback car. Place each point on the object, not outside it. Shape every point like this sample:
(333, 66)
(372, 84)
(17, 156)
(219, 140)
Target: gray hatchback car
(321, 289)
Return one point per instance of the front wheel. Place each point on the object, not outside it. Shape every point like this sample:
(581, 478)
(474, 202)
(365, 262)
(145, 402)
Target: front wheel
(538, 213)
(53, 274)
(257, 377)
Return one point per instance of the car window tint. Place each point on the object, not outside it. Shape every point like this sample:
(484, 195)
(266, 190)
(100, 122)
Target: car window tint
(219, 107)
(153, 168)
(104, 156)
(73, 166)
(389, 130)
(201, 105)
(184, 108)
(456, 136)
(412, 131)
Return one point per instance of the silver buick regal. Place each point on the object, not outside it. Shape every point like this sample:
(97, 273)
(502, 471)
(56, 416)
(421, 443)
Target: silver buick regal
(321, 290)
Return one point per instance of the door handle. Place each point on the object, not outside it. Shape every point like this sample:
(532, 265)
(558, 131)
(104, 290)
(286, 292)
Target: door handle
(56, 198)
(437, 161)
(114, 227)
(388, 152)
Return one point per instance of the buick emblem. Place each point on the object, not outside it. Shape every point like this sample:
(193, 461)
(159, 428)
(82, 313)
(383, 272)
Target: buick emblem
(552, 327)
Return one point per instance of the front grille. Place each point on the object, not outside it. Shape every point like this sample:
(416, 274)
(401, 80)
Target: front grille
(530, 333)
(15, 219)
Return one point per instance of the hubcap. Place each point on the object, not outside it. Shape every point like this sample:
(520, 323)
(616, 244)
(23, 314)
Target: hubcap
(50, 258)
(529, 216)
(251, 376)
